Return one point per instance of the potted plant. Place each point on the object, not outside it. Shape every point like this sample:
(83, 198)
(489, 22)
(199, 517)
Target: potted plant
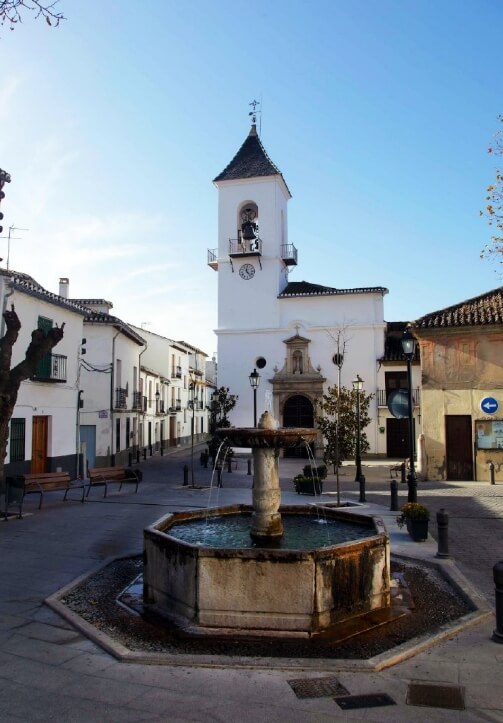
(307, 485)
(415, 517)
(319, 471)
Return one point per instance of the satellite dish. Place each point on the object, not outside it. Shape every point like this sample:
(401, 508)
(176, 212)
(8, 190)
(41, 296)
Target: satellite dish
(398, 404)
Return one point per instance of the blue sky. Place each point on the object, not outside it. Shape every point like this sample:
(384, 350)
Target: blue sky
(379, 115)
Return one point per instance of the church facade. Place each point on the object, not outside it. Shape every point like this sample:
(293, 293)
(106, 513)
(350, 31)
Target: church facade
(300, 337)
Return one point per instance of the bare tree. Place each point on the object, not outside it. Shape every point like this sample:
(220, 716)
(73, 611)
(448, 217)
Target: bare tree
(494, 209)
(10, 379)
(11, 12)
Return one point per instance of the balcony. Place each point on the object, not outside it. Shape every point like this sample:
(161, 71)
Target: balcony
(176, 373)
(289, 254)
(212, 259)
(243, 247)
(52, 368)
(120, 398)
(137, 402)
(382, 397)
(159, 407)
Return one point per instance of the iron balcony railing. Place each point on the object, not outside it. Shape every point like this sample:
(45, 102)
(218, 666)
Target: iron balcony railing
(160, 407)
(245, 247)
(289, 254)
(178, 405)
(52, 368)
(213, 259)
(382, 397)
(137, 401)
(176, 373)
(120, 398)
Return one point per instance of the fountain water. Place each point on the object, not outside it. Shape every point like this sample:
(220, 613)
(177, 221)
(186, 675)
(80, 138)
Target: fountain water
(259, 587)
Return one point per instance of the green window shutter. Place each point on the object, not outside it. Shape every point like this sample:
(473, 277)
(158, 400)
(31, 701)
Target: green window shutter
(17, 437)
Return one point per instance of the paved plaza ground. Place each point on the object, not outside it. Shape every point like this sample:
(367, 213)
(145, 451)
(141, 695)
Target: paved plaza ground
(49, 671)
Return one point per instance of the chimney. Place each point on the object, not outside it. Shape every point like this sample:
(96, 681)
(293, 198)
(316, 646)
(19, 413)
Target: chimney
(63, 287)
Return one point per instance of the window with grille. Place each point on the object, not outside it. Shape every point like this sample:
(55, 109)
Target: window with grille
(17, 436)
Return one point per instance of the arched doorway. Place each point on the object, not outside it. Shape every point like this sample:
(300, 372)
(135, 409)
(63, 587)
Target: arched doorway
(298, 412)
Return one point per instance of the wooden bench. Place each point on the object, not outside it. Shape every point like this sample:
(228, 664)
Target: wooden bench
(18, 487)
(101, 476)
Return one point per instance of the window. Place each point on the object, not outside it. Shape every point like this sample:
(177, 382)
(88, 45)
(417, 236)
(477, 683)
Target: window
(117, 435)
(17, 436)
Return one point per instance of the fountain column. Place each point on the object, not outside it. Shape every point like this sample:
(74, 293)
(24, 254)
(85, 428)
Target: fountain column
(266, 493)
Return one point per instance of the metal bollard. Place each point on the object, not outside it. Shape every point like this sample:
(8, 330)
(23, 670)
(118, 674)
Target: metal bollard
(185, 475)
(249, 466)
(144, 453)
(362, 488)
(443, 533)
(491, 472)
(162, 451)
(130, 459)
(498, 581)
(394, 495)
(138, 456)
(402, 473)
(229, 464)
(150, 449)
(219, 477)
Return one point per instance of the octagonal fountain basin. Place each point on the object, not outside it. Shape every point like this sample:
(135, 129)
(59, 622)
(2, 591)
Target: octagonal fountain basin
(218, 579)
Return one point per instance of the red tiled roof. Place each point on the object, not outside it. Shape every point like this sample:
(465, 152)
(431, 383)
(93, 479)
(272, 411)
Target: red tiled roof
(304, 288)
(483, 310)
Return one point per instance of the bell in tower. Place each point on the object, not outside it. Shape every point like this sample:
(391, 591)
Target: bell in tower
(249, 229)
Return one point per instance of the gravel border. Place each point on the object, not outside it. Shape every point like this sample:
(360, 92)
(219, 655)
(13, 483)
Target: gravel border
(437, 603)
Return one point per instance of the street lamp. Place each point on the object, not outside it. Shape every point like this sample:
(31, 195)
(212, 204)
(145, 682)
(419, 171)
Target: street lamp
(409, 349)
(254, 382)
(193, 390)
(358, 387)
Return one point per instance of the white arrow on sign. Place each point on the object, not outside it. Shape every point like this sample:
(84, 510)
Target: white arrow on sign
(489, 405)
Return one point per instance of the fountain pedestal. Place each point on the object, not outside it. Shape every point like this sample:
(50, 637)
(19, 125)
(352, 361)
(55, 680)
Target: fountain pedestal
(266, 495)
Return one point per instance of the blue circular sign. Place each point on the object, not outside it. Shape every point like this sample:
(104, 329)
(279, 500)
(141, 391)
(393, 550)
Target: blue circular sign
(489, 405)
(398, 404)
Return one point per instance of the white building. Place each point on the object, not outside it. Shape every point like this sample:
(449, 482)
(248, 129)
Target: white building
(290, 331)
(44, 425)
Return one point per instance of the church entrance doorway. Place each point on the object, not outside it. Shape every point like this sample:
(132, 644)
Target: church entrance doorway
(298, 412)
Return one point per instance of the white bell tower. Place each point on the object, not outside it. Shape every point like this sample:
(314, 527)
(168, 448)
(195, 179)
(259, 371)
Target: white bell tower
(253, 255)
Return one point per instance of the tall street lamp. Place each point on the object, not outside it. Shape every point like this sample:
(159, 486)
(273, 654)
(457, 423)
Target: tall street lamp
(409, 349)
(358, 387)
(254, 383)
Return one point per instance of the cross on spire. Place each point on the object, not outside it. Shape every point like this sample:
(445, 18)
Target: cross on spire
(254, 112)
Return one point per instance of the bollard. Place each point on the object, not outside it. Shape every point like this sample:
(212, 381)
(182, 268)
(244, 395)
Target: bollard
(185, 475)
(130, 459)
(443, 533)
(498, 581)
(219, 477)
(491, 472)
(394, 495)
(362, 488)
(144, 453)
(402, 473)
(138, 456)
(249, 466)
(162, 450)
(150, 449)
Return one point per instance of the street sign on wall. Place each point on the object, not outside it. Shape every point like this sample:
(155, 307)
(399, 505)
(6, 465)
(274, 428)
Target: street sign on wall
(489, 405)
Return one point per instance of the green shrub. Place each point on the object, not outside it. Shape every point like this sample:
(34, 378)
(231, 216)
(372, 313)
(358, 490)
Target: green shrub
(319, 471)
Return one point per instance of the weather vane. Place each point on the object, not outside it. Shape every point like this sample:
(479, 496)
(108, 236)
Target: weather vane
(254, 112)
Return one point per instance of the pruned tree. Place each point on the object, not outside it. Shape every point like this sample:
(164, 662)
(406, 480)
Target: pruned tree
(12, 11)
(41, 343)
(222, 403)
(494, 209)
(336, 418)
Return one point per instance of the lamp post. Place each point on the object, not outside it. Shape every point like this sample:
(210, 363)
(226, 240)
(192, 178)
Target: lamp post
(409, 349)
(254, 383)
(358, 386)
(192, 389)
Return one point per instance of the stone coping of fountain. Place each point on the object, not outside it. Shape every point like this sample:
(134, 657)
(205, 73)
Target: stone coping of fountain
(260, 438)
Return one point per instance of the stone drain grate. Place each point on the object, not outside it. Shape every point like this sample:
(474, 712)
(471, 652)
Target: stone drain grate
(436, 696)
(317, 687)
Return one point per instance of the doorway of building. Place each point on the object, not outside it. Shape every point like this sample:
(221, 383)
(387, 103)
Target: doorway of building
(40, 427)
(298, 412)
(88, 446)
(458, 447)
(397, 438)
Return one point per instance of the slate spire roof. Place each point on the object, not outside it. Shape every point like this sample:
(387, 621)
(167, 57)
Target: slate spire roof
(251, 161)
(483, 310)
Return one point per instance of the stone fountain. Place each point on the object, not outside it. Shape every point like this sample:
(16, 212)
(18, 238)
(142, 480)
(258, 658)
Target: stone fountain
(262, 587)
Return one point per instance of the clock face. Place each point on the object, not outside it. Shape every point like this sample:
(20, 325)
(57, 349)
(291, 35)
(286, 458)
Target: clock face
(247, 271)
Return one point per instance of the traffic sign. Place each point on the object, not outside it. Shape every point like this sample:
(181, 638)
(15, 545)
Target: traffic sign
(489, 405)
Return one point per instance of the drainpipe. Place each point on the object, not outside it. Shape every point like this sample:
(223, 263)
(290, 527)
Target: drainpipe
(112, 378)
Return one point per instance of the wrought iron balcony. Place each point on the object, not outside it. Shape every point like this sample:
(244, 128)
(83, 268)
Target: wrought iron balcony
(212, 259)
(120, 398)
(244, 247)
(160, 409)
(137, 401)
(52, 368)
(289, 254)
(382, 397)
(178, 405)
(176, 373)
